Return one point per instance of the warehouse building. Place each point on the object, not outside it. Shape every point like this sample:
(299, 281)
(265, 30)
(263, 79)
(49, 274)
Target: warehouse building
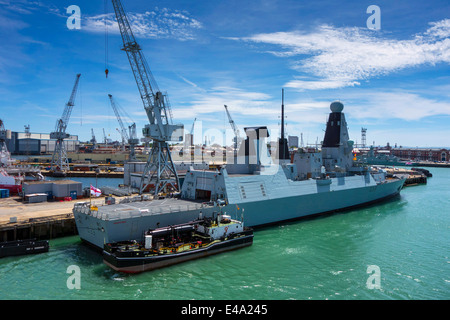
(133, 171)
(422, 154)
(55, 189)
(26, 143)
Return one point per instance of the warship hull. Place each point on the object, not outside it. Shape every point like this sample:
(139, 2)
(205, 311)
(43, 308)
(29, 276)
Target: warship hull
(253, 188)
(97, 228)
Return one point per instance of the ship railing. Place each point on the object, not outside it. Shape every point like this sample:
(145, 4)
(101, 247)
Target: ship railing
(88, 207)
(118, 214)
(92, 209)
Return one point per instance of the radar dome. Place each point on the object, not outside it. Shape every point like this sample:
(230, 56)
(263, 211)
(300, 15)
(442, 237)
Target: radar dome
(336, 106)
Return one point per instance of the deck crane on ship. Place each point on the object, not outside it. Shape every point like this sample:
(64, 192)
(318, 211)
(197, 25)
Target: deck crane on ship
(159, 173)
(60, 163)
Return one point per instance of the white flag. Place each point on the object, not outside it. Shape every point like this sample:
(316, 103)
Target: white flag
(95, 192)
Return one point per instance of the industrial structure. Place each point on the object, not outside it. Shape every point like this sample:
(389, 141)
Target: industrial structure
(363, 137)
(53, 190)
(404, 154)
(35, 143)
(237, 140)
(4, 154)
(160, 172)
(422, 154)
(189, 137)
(293, 142)
(60, 164)
(130, 137)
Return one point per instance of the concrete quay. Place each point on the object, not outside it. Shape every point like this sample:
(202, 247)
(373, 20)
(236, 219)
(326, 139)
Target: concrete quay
(412, 177)
(88, 174)
(43, 221)
(48, 220)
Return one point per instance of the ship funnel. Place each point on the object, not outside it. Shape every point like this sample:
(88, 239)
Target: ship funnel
(254, 148)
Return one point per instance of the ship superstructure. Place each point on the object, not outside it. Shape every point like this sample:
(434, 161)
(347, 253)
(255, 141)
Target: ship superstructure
(254, 186)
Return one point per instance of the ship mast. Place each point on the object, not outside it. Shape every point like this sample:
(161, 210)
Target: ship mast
(283, 151)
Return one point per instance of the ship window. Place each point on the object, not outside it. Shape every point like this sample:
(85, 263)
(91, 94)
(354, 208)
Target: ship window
(243, 192)
(263, 191)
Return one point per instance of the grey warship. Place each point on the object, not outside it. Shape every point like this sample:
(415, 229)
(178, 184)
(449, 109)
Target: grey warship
(252, 187)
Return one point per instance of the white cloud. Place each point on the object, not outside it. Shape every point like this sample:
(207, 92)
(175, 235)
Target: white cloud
(319, 84)
(395, 104)
(160, 23)
(238, 100)
(342, 57)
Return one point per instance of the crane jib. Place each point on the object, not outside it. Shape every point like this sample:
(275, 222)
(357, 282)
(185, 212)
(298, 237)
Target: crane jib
(159, 172)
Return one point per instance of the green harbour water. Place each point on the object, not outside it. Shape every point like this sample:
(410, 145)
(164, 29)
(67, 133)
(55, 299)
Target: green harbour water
(329, 257)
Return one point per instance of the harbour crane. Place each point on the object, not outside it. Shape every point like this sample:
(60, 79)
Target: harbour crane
(190, 147)
(3, 137)
(159, 172)
(193, 124)
(4, 154)
(123, 139)
(235, 129)
(191, 133)
(93, 140)
(105, 140)
(130, 137)
(60, 164)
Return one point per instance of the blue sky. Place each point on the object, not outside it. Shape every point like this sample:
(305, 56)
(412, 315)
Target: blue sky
(394, 81)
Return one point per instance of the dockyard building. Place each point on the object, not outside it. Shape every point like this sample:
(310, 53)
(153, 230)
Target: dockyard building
(422, 154)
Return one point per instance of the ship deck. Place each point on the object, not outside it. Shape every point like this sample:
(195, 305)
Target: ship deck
(140, 208)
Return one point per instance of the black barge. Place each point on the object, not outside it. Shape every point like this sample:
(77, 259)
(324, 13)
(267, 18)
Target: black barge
(23, 247)
(175, 244)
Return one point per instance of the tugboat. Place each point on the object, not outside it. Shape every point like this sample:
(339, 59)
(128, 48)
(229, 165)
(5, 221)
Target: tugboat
(175, 244)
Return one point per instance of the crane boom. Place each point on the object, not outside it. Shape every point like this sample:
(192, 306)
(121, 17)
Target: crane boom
(235, 130)
(61, 124)
(159, 172)
(60, 163)
(93, 140)
(123, 131)
(233, 125)
(131, 138)
(155, 102)
(193, 124)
